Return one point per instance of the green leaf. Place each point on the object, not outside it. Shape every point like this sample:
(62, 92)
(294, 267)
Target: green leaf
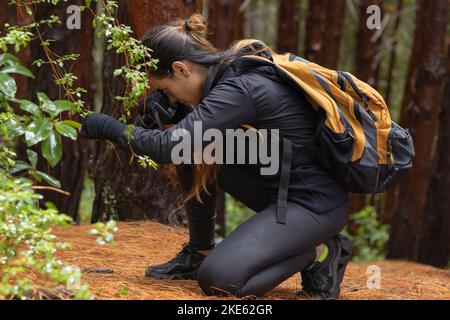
(123, 291)
(7, 58)
(30, 107)
(88, 3)
(64, 105)
(37, 131)
(47, 105)
(73, 124)
(52, 181)
(18, 69)
(51, 205)
(7, 85)
(20, 166)
(16, 127)
(66, 130)
(33, 157)
(51, 148)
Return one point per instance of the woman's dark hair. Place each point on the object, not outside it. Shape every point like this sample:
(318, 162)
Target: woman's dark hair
(186, 40)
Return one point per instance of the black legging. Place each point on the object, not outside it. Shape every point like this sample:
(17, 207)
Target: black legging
(260, 253)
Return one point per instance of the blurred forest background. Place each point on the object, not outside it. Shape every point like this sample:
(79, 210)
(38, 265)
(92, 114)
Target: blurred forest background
(407, 60)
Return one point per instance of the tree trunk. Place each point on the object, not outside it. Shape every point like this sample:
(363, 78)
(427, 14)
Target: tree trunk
(392, 195)
(288, 26)
(70, 170)
(434, 246)
(226, 22)
(367, 64)
(315, 29)
(128, 191)
(324, 26)
(393, 56)
(356, 202)
(421, 106)
(391, 206)
(329, 56)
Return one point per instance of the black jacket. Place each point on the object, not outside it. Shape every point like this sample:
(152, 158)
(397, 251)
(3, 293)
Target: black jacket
(257, 97)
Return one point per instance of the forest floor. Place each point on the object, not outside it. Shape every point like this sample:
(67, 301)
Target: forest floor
(144, 243)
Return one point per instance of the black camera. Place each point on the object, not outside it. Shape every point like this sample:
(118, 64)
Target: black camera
(156, 111)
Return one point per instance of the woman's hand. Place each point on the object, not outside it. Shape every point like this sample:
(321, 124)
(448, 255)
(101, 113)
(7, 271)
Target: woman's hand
(101, 126)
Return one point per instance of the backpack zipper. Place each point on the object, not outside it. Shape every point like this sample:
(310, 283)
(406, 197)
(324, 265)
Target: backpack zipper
(361, 95)
(366, 107)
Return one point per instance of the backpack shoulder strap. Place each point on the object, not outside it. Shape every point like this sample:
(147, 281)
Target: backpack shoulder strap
(300, 73)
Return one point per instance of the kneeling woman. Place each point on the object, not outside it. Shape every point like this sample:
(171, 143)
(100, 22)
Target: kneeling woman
(299, 210)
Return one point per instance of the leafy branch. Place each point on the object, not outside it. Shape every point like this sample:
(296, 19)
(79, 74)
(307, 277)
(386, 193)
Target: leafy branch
(27, 242)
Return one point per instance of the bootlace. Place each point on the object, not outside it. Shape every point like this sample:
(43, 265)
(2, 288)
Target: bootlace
(186, 250)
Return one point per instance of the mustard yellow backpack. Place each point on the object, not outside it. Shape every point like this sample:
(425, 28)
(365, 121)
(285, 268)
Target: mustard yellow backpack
(357, 141)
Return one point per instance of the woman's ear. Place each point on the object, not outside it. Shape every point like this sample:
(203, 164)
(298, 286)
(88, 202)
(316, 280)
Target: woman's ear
(180, 69)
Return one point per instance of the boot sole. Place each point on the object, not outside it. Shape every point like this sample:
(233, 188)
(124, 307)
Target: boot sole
(174, 276)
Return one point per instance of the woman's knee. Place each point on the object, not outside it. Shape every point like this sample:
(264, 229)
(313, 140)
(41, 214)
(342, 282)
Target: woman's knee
(216, 278)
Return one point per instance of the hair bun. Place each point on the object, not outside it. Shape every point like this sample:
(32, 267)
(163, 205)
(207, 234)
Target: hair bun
(195, 24)
(186, 25)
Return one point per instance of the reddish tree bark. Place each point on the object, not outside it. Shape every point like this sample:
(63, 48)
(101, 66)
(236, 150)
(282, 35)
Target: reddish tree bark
(393, 57)
(420, 109)
(315, 28)
(330, 52)
(391, 196)
(129, 191)
(146, 14)
(356, 202)
(324, 26)
(226, 22)
(288, 26)
(434, 247)
(367, 66)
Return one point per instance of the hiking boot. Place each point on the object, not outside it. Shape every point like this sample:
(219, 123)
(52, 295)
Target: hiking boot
(322, 280)
(182, 267)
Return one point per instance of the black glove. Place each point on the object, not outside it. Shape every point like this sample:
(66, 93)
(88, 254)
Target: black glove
(101, 126)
